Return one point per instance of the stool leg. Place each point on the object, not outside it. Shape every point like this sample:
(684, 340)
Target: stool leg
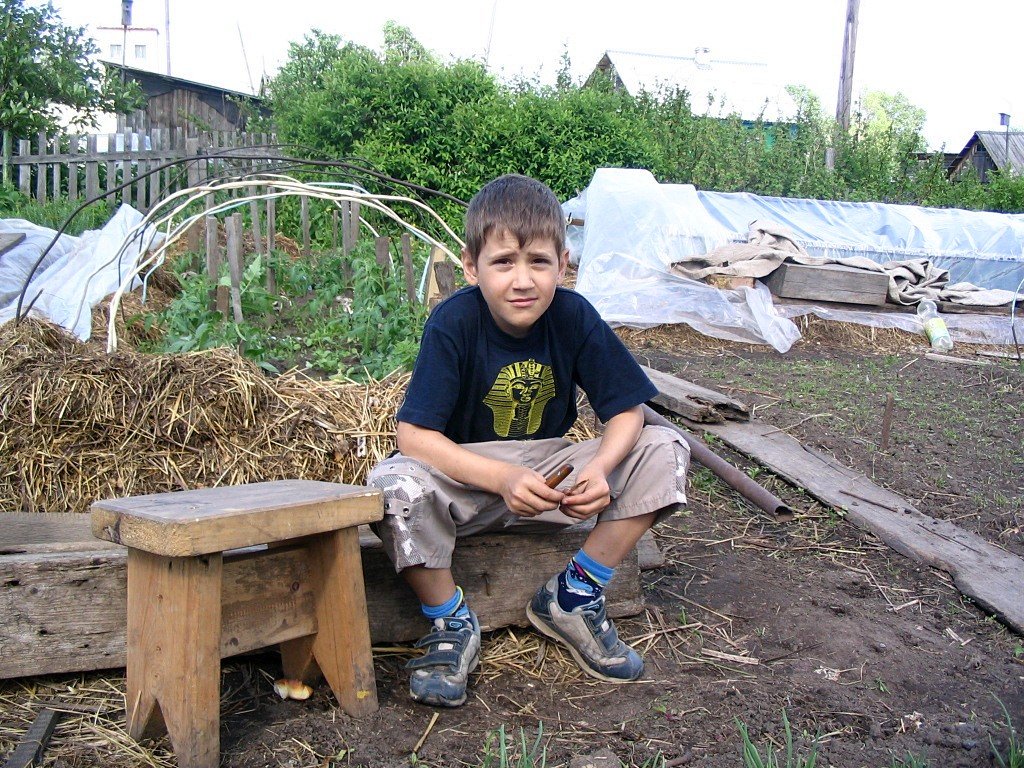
(341, 646)
(174, 653)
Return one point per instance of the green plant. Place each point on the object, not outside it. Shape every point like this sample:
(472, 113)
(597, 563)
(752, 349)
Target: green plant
(500, 752)
(752, 756)
(345, 327)
(1014, 755)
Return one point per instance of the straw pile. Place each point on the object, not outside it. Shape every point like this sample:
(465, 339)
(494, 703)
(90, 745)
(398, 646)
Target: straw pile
(79, 424)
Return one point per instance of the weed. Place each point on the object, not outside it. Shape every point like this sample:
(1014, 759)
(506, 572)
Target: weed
(880, 685)
(752, 756)
(499, 752)
(1014, 756)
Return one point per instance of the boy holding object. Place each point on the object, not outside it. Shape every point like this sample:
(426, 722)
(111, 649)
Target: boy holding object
(492, 394)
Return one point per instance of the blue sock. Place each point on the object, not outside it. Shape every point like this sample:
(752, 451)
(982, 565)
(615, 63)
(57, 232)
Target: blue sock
(582, 581)
(454, 606)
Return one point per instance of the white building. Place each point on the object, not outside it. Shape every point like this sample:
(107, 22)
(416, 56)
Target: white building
(136, 47)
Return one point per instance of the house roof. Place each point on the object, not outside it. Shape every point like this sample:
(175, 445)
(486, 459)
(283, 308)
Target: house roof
(995, 145)
(154, 83)
(749, 89)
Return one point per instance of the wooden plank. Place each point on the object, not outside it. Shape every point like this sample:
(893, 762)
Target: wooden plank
(92, 169)
(10, 239)
(37, 532)
(693, 401)
(205, 520)
(29, 751)
(828, 282)
(66, 612)
(991, 576)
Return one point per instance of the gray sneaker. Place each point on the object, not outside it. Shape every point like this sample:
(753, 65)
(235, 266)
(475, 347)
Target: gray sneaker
(440, 675)
(588, 633)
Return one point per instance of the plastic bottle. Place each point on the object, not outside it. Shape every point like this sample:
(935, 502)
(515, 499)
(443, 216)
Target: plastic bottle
(934, 327)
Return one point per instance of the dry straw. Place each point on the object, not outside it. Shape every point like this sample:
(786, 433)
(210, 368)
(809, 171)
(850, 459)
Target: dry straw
(79, 424)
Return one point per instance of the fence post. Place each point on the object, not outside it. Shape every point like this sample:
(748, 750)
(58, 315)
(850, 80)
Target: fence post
(92, 169)
(304, 214)
(271, 235)
(40, 168)
(410, 280)
(192, 173)
(382, 250)
(8, 150)
(57, 167)
(213, 260)
(74, 145)
(233, 228)
(24, 170)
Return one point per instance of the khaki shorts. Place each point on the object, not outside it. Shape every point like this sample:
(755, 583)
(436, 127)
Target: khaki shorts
(425, 511)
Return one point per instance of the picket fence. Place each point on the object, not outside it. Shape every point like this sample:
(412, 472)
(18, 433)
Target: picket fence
(85, 166)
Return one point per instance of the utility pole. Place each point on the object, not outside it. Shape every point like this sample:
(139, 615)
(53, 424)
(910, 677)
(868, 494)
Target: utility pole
(167, 32)
(845, 97)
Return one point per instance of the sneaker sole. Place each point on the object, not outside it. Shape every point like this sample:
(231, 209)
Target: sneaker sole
(545, 630)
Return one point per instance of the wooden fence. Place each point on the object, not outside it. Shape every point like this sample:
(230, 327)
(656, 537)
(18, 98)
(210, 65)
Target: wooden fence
(83, 166)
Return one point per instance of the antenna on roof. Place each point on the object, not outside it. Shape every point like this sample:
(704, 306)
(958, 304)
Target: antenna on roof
(245, 58)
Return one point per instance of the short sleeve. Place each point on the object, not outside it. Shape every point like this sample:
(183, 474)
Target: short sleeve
(433, 389)
(609, 374)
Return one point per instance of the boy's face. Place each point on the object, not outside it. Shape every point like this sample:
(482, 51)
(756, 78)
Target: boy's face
(518, 283)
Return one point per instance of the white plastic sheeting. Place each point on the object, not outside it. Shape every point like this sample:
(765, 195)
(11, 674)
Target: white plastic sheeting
(76, 274)
(635, 228)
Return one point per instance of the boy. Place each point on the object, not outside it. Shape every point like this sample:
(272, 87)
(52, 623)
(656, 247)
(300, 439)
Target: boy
(492, 394)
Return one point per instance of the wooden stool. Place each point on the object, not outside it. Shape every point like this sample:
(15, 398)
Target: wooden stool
(190, 604)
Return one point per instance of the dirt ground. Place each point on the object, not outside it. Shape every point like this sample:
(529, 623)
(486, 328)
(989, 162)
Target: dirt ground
(877, 660)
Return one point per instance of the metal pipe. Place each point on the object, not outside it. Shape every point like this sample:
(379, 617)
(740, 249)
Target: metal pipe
(733, 477)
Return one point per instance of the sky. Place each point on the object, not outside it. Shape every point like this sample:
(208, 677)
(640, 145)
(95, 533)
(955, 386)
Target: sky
(955, 59)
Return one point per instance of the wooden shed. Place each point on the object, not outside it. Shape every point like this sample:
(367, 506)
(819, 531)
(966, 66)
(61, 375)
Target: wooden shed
(988, 151)
(172, 102)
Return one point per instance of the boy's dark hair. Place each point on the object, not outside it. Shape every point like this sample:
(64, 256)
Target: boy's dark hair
(524, 207)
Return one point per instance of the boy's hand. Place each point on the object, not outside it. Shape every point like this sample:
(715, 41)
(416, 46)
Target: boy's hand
(589, 495)
(525, 492)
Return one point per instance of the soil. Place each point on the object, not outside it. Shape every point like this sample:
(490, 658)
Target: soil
(877, 660)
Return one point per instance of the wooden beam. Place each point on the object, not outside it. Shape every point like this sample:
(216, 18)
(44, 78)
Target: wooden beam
(693, 401)
(66, 611)
(991, 576)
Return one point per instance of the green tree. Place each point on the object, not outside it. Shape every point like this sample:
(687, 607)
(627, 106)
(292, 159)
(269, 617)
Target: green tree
(46, 65)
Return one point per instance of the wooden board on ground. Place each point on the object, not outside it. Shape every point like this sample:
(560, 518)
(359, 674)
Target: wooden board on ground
(10, 239)
(694, 401)
(65, 610)
(991, 576)
(828, 282)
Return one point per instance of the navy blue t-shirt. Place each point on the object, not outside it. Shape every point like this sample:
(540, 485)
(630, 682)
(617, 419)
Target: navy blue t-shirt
(474, 382)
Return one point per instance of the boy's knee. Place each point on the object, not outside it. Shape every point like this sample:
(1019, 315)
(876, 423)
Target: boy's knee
(402, 482)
